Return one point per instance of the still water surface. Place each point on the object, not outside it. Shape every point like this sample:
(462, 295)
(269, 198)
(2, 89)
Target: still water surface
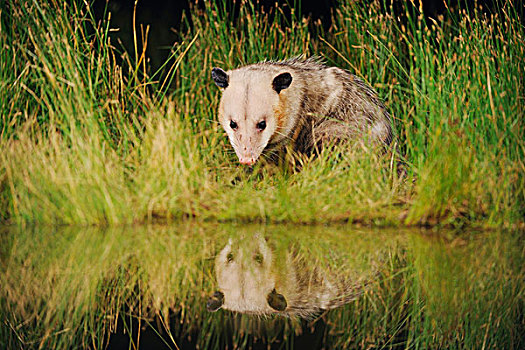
(258, 286)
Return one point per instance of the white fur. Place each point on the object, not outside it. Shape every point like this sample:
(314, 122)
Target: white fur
(249, 99)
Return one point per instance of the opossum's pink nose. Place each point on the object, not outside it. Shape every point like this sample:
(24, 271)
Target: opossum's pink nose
(247, 161)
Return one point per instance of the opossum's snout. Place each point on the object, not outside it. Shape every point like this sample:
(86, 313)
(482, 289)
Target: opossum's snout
(247, 156)
(247, 160)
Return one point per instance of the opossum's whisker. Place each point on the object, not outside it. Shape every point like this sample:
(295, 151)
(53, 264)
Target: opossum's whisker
(271, 151)
(268, 154)
(284, 135)
(265, 156)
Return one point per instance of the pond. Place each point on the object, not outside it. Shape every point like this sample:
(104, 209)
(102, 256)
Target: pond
(215, 286)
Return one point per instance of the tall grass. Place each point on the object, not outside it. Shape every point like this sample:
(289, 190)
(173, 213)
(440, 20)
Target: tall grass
(70, 287)
(86, 139)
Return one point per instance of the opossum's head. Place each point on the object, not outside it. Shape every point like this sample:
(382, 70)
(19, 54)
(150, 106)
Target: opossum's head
(248, 108)
(246, 279)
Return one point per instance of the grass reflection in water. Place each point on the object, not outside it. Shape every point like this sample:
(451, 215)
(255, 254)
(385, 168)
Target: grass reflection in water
(152, 286)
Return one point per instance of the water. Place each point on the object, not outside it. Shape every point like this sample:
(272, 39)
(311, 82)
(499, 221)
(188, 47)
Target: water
(255, 286)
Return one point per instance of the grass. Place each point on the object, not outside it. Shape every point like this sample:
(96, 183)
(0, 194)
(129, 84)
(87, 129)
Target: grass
(91, 138)
(74, 287)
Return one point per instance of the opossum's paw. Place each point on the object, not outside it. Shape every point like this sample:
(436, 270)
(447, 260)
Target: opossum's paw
(242, 176)
(236, 180)
(401, 168)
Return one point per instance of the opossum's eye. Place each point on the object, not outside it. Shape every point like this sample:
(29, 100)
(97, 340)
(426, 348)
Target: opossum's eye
(233, 125)
(261, 125)
(229, 257)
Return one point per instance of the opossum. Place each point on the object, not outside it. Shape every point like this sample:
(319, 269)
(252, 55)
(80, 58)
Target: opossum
(251, 280)
(301, 101)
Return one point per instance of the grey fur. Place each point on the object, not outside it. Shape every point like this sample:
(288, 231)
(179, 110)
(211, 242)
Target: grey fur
(322, 104)
(253, 279)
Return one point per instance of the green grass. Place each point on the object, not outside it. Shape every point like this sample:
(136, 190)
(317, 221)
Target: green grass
(64, 287)
(88, 140)
(89, 136)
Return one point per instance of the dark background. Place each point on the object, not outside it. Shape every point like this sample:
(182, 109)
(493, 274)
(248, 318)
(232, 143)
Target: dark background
(165, 18)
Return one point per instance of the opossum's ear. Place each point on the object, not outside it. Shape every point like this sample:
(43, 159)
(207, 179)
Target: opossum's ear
(220, 77)
(276, 301)
(282, 81)
(215, 302)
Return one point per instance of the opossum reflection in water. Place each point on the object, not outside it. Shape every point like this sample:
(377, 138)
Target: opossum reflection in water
(251, 281)
(266, 105)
